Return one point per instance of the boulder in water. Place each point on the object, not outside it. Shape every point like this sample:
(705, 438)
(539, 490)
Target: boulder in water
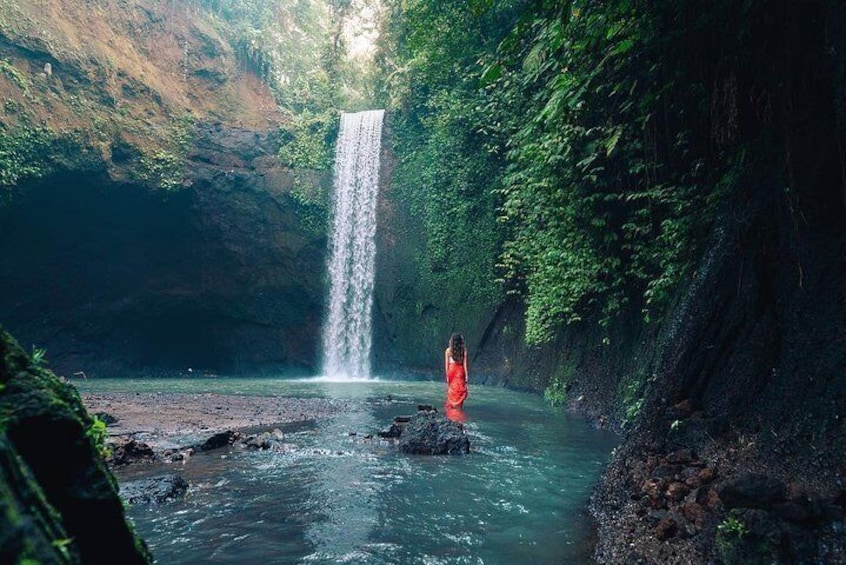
(218, 440)
(155, 490)
(273, 441)
(396, 427)
(430, 433)
(131, 451)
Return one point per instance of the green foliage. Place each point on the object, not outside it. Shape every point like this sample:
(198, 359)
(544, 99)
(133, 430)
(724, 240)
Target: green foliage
(606, 208)
(732, 526)
(307, 142)
(633, 409)
(730, 541)
(11, 72)
(297, 47)
(631, 399)
(446, 168)
(163, 169)
(593, 128)
(98, 434)
(556, 393)
(310, 203)
(23, 154)
(183, 133)
(585, 126)
(38, 356)
(62, 546)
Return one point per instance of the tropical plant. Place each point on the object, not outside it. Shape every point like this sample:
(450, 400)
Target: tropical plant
(98, 434)
(38, 356)
(582, 124)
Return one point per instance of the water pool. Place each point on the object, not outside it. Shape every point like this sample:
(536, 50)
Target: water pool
(520, 496)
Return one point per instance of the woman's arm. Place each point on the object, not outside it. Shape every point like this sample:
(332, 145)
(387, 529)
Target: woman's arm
(446, 363)
(466, 365)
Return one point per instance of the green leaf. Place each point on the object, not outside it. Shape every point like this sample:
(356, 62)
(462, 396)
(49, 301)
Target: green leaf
(491, 74)
(612, 141)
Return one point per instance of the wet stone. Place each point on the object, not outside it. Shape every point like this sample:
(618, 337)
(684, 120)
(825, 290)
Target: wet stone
(155, 490)
(430, 433)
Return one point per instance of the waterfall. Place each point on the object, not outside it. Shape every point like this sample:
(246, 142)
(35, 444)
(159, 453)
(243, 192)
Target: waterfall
(352, 253)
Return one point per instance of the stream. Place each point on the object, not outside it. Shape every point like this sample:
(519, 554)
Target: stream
(520, 496)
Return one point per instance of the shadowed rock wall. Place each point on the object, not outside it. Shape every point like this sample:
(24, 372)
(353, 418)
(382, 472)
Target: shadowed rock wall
(218, 276)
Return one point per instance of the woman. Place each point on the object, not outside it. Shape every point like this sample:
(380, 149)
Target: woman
(455, 367)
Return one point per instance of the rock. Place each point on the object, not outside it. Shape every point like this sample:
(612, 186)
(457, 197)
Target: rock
(264, 441)
(652, 489)
(55, 484)
(656, 516)
(393, 432)
(680, 411)
(155, 490)
(710, 499)
(665, 471)
(677, 491)
(795, 510)
(396, 427)
(706, 475)
(106, 418)
(690, 476)
(429, 433)
(173, 455)
(681, 457)
(752, 491)
(694, 513)
(666, 528)
(131, 452)
(218, 440)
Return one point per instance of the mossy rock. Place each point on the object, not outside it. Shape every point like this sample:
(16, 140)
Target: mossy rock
(60, 500)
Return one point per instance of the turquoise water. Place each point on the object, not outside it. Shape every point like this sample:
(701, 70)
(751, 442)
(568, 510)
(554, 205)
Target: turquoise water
(520, 496)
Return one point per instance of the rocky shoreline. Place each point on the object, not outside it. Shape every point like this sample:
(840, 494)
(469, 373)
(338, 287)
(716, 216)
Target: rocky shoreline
(167, 419)
(168, 428)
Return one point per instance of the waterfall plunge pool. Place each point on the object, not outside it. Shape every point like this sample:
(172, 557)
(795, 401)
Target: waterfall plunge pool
(520, 496)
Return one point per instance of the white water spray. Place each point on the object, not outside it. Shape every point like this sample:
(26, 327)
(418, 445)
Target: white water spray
(352, 253)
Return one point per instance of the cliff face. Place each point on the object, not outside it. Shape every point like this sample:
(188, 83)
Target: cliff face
(732, 404)
(122, 79)
(149, 223)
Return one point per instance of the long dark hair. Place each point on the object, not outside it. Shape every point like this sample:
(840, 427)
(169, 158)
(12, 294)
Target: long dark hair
(456, 346)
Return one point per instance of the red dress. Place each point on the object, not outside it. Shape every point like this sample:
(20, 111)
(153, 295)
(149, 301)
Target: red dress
(456, 385)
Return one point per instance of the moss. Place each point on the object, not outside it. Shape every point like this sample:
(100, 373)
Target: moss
(31, 152)
(310, 202)
(28, 524)
(22, 154)
(163, 169)
(8, 70)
